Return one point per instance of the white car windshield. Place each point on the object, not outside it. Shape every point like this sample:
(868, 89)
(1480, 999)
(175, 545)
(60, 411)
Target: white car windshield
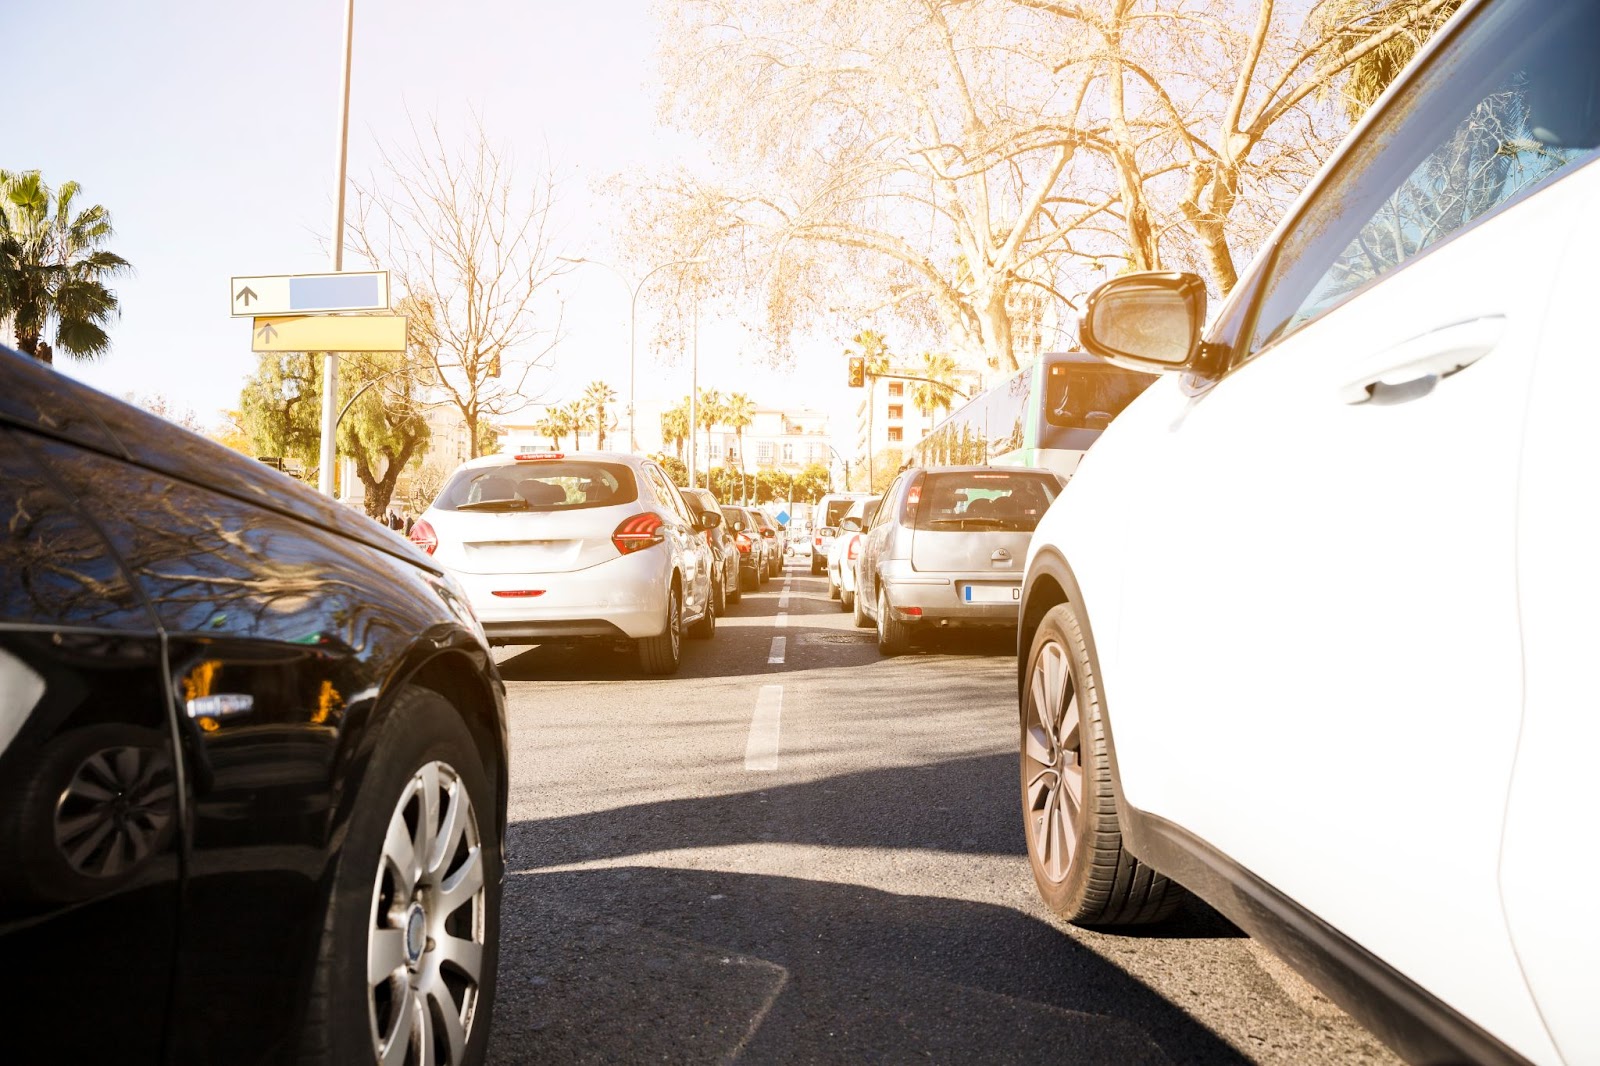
(542, 485)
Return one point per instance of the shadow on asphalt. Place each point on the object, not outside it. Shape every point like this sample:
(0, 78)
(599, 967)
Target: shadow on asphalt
(960, 806)
(638, 963)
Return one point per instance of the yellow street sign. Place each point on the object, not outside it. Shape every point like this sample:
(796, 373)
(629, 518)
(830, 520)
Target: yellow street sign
(329, 333)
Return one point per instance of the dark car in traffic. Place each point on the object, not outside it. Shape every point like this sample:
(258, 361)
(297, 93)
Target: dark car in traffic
(724, 548)
(252, 758)
(754, 550)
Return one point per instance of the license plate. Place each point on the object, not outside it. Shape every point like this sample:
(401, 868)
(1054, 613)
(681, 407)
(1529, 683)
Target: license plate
(992, 593)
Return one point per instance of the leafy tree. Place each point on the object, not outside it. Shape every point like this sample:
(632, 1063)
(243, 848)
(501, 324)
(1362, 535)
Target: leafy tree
(281, 407)
(472, 246)
(597, 397)
(738, 412)
(709, 413)
(675, 428)
(885, 465)
(578, 418)
(384, 426)
(772, 485)
(812, 483)
(53, 270)
(926, 398)
(676, 469)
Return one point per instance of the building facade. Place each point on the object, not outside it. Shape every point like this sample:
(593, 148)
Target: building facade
(887, 416)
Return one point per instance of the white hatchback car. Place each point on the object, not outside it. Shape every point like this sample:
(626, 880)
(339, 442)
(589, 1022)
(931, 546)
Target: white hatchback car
(1311, 630)
(558, 548)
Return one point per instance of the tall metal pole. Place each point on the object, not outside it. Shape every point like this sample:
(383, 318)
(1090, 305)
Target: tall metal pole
(330, 360)
(694, 390)
(633, 358)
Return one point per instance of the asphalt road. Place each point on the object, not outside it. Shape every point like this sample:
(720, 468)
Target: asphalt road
(803, 852)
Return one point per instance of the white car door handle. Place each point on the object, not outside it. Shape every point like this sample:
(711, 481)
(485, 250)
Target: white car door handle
(1412, 368)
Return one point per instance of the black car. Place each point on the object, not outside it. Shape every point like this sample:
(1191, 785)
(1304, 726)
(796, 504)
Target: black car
(252, 758)
(753, 551)
(724, 549)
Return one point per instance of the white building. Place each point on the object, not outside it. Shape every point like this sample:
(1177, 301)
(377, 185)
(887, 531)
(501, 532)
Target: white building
(886, 417)
(776, 439)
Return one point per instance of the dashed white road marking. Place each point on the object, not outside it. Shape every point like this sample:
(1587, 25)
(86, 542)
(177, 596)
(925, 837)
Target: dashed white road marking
(781, 620)
(783, 601)
(761, 750)
(775, 656)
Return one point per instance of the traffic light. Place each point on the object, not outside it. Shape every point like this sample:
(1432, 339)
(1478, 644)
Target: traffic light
(858, 371)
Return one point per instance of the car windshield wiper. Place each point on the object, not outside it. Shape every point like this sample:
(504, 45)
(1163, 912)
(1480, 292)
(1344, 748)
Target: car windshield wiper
(513, 504)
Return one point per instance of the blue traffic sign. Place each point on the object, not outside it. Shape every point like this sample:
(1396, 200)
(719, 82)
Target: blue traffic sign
(783, 518)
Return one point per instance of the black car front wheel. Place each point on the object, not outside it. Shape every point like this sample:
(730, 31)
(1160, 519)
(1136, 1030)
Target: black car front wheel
(411, 935)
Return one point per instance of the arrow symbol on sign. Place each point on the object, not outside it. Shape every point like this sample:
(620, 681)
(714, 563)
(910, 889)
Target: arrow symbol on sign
(267, 333)
(247, 294)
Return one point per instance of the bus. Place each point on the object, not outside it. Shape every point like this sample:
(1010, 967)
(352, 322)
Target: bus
(1045, 415)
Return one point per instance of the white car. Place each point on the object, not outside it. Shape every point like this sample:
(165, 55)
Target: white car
(825, 517)
(842, 562)
(1310, 631)
(559, 548)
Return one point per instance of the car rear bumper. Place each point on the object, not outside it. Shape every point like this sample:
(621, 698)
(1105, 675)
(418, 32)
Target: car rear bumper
(941, 598)
(625, 597)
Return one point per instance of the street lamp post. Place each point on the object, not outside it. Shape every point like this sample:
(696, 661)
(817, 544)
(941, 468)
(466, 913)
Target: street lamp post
(633, 323)
(330, 360)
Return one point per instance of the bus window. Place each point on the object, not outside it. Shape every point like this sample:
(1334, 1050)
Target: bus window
(1089, 396)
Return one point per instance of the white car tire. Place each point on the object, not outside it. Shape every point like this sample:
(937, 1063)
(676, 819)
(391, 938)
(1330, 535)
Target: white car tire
(1069, 806)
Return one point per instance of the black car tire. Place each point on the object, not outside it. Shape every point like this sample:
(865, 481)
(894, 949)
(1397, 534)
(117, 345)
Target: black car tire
(816, 564)
(763, 571)
(894, 636)
(733, 593)
(421, 727)
(662, 654)
(847, 599)
(834, 591)
(1100, 883)
(719, 595)
(750, 579)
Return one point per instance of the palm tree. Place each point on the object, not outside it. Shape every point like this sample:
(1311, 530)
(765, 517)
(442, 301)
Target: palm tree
(675, 426)
(936, 366)
(553, 426)
(577, 419)
(737, 414)
(708, 413)
(52, 269)
(595, 398)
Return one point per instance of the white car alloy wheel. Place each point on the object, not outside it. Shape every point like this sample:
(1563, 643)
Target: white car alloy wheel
(425, 943)
(1052, 769)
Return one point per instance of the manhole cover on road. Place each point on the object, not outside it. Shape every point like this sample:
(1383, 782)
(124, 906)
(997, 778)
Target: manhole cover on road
(839, 638)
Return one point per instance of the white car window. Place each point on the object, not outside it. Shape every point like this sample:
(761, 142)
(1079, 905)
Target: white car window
(1511, 102)
(666, 493)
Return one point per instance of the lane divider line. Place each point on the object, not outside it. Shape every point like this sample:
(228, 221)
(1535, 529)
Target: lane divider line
(761, 750)
(783, 601)
(775, 656)
(781, 620)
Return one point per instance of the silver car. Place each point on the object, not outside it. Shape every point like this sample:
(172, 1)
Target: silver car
(558, 548)
(947, 547)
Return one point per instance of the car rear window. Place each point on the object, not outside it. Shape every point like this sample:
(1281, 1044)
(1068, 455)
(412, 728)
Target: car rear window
(984, 499)
(836, 510)
(546, 485)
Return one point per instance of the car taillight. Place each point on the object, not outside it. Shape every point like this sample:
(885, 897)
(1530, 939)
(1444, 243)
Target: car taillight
(533, 457)
(855, 547)
(817, 540)
(743, 542)
(423, 536)
(637, 533)
(908, 512)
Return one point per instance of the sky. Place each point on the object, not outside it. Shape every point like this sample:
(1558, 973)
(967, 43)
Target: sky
(210, 130)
